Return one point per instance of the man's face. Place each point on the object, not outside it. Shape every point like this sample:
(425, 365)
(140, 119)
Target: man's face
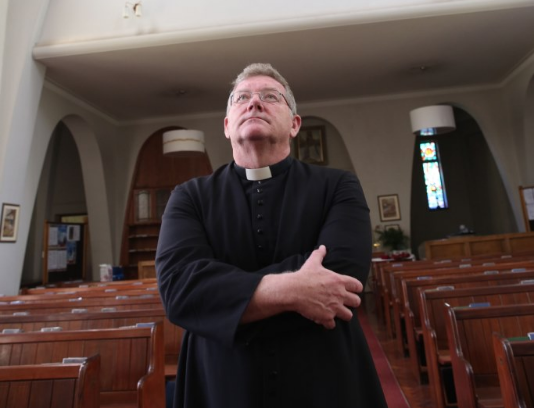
(258, 121)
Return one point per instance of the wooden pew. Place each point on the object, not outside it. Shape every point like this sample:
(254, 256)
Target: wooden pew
(66, 296)
(103, 320)
(101, 286)
(132, 360)
(411, 328)
(386, 268)
(432, 310)
(118, 302)
(82, 283)
(470, 335)
(515, 366)
(383, 284)
(469, 245)
(400, 298)
(392, 275)
(57, 385)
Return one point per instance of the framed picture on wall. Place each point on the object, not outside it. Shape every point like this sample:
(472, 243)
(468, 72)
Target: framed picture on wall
(310, 145)
(9, 222)
(388, 207)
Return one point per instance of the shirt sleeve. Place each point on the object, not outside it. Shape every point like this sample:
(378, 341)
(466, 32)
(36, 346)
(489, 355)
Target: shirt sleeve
(199, 293)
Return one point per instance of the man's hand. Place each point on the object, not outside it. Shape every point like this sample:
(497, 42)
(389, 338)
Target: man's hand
(313, 291)
(322, 295)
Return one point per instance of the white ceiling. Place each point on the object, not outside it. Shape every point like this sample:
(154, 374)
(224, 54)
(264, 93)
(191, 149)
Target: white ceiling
(362, 60)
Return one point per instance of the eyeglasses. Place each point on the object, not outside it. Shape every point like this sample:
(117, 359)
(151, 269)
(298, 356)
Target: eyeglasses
(266, 95)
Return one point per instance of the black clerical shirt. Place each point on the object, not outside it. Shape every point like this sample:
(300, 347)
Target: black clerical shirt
(209, 263)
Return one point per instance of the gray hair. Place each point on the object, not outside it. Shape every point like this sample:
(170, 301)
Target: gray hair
(261, 69)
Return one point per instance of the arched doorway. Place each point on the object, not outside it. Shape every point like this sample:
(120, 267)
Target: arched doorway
(60, 193)
(154, 178)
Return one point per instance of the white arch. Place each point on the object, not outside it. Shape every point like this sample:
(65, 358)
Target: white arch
(95, 191)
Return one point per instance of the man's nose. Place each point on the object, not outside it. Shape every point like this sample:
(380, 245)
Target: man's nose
(255, 102)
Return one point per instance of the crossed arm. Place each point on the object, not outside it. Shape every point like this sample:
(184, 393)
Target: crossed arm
(209, 296)
(313, 291)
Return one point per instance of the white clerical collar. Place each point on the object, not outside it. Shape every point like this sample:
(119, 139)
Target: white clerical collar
(258, 174)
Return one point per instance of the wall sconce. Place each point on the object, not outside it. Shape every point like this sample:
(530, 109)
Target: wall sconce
(180, 141)
(432, 120)
(136, 8)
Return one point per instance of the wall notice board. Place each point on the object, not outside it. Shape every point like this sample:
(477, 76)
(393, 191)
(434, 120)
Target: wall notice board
(64, 254)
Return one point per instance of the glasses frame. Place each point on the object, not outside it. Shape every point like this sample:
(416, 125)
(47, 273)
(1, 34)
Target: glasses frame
(260, 95)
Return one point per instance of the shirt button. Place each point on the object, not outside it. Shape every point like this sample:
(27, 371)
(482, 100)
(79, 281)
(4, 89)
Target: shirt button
(259, 216)
(260, 247)
(260, 202)
(260, 231)
(259, 190)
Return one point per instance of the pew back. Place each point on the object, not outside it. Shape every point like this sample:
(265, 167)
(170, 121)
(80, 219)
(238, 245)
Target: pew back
(102, 320)
(432, 309)
(470, 335)
(132, 360)
(72, 385)
(119, 302)
(515, 365)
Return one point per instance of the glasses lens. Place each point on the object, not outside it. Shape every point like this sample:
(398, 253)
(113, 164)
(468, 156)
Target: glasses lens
(269, 96)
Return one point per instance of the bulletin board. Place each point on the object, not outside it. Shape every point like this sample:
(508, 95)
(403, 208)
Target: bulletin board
(526, 195)
(64, 254)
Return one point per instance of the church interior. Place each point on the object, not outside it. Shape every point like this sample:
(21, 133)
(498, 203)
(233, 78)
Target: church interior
(108, 105)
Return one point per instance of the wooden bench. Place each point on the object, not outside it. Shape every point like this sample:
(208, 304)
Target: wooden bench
(132, 359)
(515, 366)
(409, 321)
(384, 269)
(393, 275)
(103, 320)
(470, 245)
(66, 296)
(60, 385)
(432, 311)
(470, 335)
(101, 286)
(82, 283)
(401, 299)
(118, 302)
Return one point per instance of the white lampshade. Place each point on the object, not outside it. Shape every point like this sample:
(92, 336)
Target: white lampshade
(183, 140)
(432, 120)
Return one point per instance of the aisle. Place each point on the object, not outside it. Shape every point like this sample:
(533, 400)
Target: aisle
(415, 395)
(392, 390)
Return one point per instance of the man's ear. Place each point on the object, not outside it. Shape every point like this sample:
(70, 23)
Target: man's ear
(226, 128)
(296, 122)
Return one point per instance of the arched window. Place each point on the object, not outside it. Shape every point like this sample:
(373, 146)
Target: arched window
(435, 186)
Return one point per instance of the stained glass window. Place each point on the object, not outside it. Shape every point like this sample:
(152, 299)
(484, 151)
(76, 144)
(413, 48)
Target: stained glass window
(435, 187)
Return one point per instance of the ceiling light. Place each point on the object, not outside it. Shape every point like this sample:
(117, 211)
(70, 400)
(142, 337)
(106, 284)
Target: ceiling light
(432, 120)
(183, 140)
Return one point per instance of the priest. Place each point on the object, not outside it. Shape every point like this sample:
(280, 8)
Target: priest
(262, 264)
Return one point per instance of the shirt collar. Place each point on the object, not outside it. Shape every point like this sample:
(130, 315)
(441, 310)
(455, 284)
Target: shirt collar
(264, 173)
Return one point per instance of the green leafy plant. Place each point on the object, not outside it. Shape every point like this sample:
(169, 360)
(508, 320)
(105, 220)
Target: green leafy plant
(392, 238)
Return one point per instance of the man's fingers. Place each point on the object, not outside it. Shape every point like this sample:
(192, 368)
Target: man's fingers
(352, 300)
(319, 254)
(353, 285)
